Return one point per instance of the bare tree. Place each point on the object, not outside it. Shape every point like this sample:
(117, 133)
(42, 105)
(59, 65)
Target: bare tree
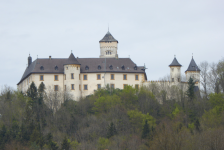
(204, 67)
(220, 71)
(213, 79)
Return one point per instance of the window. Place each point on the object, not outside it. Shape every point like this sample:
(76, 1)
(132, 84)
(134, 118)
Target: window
(41, 77)
(79, 87)
(178, 79)
(112, 86)
(124, 76)
(41, 68)
(112, 76)
(56, 88)
(136, 86)
(172, 69)
(111, 67)
(72, 75)
(123, 68)
(98, 76)
(125, 85)
(98, 86)
(135, 67)
(79, 76)
(86, 68)
(136, 77)
(99, 67)
(65, 76)
(172, 79)
(72, 87)
(65, 87)
(85, 87)
(85, 77)
(55, 77)
(56, 67)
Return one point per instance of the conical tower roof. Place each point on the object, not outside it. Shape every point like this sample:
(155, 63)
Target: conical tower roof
(72, 60)
(175, 62)
(193, 66)
(108, 38)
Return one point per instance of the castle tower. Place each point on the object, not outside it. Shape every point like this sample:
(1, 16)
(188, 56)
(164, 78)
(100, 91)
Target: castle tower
(108, 46)
(71, 77)
(175, 71)
(193, 71)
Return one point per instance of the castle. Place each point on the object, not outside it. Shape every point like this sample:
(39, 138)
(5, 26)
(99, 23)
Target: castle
(82, 76)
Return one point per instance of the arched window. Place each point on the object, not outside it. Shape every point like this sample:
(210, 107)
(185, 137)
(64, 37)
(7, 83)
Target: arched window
(86, 68)
(56, 67)
(99, 67)
(41, 68)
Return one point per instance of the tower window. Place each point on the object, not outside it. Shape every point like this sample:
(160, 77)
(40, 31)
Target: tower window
(72, 87)
(72, 75)
(178, 79)
(41, 68)
(172, 79)
(172, 69)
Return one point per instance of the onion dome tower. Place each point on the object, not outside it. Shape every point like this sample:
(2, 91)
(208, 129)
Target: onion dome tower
(108, 46)
(175, 71)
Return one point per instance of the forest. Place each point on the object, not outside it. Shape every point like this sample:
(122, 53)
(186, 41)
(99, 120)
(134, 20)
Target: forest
(150, 118)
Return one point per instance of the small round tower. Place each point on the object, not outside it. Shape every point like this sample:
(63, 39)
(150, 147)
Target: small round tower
(108, 46)
(193, 71)
(175, 71)
(71, 77)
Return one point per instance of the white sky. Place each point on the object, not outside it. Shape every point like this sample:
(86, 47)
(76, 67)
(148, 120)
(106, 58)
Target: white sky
(150, 31)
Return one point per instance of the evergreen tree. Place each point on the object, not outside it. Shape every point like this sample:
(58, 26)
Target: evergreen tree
(65, 144)
(146, 130)
(190, 90)
(111, 130)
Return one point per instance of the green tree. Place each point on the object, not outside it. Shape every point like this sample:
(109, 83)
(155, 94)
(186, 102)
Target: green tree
(65, 144)
(190, 90)
(146, 130)
(111, 130)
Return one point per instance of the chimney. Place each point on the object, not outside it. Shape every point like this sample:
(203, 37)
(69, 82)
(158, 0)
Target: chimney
(29, 60)
(50, 57)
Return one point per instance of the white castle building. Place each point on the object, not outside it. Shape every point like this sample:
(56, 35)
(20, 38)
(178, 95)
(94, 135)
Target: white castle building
(82, 76)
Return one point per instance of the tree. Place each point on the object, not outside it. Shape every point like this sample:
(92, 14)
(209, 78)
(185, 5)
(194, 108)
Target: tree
(146, 130)
(204, 67)
(220, 70)
(111, 130)
(65, 144)
(190, 90)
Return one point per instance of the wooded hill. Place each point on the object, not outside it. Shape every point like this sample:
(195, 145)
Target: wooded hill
(112, 119)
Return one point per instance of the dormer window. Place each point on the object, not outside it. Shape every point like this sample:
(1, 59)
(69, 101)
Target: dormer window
(41, 68)
(123, 68)
(56, 67)
(111, 67)
(86, 68)
(135, 67)
(99, 67)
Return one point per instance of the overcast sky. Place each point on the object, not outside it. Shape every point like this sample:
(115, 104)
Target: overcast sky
(150, 31)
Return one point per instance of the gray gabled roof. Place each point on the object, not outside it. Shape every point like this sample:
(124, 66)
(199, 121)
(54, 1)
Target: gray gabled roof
(72, 60)
(92, 64)
(175, 62)
(193, 66)
(108, 38)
